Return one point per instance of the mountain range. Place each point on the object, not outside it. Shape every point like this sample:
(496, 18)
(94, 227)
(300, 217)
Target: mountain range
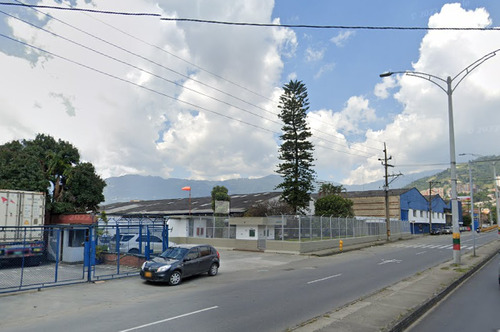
(137, 187)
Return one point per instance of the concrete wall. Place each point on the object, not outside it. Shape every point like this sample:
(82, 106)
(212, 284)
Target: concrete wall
(219, 243)
(293, 247)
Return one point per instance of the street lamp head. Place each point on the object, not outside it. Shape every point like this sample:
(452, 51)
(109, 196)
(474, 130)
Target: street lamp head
(386, 74)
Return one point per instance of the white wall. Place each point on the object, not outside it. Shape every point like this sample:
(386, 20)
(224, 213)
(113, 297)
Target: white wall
(178, 227)
(260, 232)
(423, 217)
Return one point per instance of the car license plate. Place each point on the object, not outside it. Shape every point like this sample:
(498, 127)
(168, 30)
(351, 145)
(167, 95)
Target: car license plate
(148, 274)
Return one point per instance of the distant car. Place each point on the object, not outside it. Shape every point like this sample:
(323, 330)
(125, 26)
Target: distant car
(181, 261)
(130, 243)
(435, 231)
(447, 230)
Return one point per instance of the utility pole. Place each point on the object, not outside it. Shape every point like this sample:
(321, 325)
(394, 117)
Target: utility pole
(496, 195)
(430, 203)
(386, 190)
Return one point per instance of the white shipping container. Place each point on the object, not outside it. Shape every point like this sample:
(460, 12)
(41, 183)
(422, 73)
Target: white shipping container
(20, 209)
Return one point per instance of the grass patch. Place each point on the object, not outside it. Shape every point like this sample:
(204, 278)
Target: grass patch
(461, 269)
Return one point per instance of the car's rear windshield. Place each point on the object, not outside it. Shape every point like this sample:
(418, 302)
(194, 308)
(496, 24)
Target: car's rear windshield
(126, 238)
(174, 253)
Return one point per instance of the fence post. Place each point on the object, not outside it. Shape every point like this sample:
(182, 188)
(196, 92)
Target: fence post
(346, 227)
(89, 267)
(330, 227)
(117, 243)
(321, 227)
(300, 229)
(58, 251)
(310, 228)
(282, 228)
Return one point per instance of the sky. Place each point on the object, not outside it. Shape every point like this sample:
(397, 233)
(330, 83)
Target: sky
(176, 99)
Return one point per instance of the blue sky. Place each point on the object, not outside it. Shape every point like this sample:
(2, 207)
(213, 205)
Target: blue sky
(197, 101)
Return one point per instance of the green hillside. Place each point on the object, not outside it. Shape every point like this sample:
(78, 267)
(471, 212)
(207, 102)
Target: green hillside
(482, 176)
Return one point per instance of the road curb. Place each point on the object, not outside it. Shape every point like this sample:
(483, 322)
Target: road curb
(412, 317)
(397, 306)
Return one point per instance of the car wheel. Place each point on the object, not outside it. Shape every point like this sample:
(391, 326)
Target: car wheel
(175, 278)
(213, 269)
(133, 251)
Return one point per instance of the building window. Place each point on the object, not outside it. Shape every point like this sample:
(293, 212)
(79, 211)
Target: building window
(421, 214)
(252, 233)
(414, 213)
(76, 237)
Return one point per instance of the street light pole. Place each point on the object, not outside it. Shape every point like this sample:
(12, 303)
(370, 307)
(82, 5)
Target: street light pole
(473, 228)
(453, 164)
(496, 195)
(471, 185)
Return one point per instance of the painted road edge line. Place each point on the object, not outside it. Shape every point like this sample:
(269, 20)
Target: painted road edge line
(323, 279)
(169, 319)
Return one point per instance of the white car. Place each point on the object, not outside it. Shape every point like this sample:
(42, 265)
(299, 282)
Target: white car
(135, 244)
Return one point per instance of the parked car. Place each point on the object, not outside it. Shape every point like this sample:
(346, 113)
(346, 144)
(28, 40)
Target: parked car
(181, 261)
(447, 230)
(130, 243)
(435, 231)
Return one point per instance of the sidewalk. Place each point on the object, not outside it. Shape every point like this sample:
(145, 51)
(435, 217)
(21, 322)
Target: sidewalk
(396, 307)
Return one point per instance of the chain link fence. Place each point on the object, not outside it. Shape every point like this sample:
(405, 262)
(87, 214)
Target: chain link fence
(314, 228)
(295, 228)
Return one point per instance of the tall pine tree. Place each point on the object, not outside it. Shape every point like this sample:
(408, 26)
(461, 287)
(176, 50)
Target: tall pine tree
(296, 151)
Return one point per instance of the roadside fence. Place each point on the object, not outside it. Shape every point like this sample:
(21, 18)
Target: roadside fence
(38, 257)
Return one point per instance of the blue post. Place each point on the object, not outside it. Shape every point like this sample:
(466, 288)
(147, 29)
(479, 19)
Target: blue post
(57, 252)
(89, 268)
(117, 241)
(148, 241)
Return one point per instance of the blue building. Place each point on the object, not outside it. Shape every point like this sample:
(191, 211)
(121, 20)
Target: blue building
(404, 204)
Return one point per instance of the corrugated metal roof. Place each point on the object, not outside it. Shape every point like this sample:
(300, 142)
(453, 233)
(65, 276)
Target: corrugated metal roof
(181, 206)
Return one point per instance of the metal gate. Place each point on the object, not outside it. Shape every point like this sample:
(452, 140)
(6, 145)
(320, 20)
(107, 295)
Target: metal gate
(66, 254)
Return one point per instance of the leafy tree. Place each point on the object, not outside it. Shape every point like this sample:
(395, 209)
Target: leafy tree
(296, 151)
(330, 189)
(84, 188)
(20, 170)
(219, 193)
(466, 219)
(334, 205)
(53, 167)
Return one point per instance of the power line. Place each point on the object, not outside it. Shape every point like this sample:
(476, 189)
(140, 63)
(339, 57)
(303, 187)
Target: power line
(138, 68)
(307, 26)
(154, 91)
(167, 68)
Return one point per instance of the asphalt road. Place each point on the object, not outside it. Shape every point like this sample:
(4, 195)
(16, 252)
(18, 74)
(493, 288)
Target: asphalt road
(472, 307)
(253, 292)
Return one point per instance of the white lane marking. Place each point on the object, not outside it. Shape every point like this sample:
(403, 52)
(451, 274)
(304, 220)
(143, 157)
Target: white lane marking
(323, 279)
(390, 261)
(420, 253)
(169, 319)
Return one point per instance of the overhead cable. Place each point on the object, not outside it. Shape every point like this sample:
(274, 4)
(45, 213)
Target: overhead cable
(307, 26)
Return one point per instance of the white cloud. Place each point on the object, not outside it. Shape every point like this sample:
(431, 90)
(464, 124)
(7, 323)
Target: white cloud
(332, 130)
(419, 135)
(122, 128)
(324, 69)
(314, 55)
(341, 38)
(381, 89)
